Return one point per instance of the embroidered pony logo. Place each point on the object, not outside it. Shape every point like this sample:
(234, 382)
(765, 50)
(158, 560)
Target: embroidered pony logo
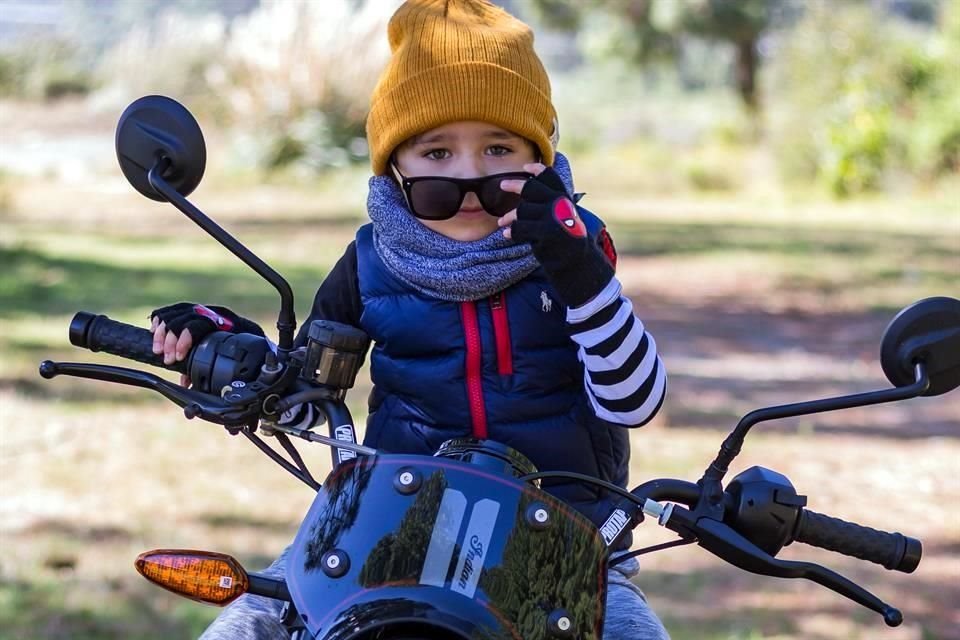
(545, 302)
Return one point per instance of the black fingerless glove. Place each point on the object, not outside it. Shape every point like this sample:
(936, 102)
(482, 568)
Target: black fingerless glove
(548, 220)
(203, 320)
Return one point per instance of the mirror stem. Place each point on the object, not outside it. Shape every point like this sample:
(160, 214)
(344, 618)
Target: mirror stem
(731, 446)
(286, 322)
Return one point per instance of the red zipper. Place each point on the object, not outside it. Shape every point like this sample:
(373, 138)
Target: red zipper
(474, 361)
(501, 333)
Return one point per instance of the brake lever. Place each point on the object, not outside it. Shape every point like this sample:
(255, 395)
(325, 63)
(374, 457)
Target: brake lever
(195, 403)
(728, 545)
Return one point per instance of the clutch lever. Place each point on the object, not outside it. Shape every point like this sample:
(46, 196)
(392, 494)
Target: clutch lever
(728, 545)
(195, 403)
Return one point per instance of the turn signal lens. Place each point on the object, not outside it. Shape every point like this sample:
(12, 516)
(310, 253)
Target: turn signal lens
(203, 576)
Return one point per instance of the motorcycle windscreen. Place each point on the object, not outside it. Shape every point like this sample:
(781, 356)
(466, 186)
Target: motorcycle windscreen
(437, 542)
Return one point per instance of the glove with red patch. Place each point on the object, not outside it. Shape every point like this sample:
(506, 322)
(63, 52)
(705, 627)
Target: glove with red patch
(547, 219)
(203, 320)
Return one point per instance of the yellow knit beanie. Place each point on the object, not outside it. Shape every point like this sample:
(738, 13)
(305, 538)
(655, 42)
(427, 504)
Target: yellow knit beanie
(459, 60)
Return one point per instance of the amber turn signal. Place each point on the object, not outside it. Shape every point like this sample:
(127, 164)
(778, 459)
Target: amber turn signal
(203, 576)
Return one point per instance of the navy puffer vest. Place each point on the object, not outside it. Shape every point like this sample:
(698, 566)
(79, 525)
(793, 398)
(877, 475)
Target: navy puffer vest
(502, 368)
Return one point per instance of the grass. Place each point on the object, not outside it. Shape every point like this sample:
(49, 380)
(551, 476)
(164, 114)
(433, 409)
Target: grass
(750, 305)
(50, 610)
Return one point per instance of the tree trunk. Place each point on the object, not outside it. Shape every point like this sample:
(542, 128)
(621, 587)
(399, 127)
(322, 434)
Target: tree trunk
(746, 79)
(746, 74)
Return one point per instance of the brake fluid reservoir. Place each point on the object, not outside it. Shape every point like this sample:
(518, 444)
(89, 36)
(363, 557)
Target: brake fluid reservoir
(334, 354)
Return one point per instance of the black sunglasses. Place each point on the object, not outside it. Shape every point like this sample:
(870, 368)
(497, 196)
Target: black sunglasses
(439, 197)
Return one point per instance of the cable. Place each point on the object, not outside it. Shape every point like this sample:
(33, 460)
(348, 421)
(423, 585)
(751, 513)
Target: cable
(290, 448)
(276, 457)
(656, 547)
(584, 478)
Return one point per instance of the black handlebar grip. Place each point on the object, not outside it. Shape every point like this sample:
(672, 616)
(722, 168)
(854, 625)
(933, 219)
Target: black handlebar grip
(100, 333)
(892, 550)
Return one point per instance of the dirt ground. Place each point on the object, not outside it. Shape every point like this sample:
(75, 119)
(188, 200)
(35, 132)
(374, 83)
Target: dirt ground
(731, 346)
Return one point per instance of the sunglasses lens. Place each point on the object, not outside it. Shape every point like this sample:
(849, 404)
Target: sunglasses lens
(495, 200)
(435, 199)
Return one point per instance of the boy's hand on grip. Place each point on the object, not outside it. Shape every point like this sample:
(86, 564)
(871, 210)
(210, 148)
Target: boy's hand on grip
(178, 326)
(548, 220)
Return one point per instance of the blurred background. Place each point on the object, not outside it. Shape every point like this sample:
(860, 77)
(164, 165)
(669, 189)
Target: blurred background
(780, 177)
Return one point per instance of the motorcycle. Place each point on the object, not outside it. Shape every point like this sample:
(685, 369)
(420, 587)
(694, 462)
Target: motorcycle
(465, 543)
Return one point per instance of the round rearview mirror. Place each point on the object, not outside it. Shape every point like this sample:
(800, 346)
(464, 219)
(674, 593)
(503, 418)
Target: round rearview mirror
(154, 127)
(927, 331)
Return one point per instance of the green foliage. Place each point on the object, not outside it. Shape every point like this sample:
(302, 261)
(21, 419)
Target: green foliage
(729, 20)
(933, 133)
(862, 97)
(44, 70)
(11, 73)
(857, 144)
(642, 31)
(608, 36)
(708, 177)
(6, 194)
(646, 29)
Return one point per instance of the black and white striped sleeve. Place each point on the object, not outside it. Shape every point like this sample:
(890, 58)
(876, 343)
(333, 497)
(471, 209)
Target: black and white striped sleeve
(622, 373)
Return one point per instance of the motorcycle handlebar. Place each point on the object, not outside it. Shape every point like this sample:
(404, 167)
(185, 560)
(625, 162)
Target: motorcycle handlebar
(100, 333)
(892, 550)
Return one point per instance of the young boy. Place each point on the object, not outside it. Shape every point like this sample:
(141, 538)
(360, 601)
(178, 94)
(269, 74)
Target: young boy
(490, 298)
